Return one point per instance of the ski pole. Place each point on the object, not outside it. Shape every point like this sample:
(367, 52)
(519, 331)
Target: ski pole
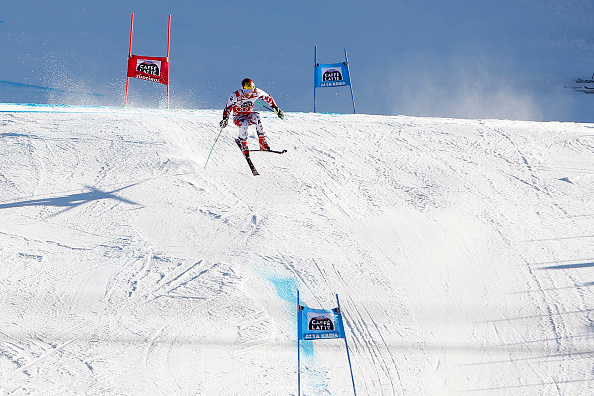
(215, 142)
(266, 107)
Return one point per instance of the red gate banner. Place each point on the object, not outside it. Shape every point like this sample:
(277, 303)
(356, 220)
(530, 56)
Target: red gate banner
(150, 68)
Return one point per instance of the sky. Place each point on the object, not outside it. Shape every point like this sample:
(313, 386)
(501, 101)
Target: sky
(465, 59)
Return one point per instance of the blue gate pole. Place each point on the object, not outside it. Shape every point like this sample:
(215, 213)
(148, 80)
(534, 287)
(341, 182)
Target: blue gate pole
(347, 351)
(315, 73)
(298, 348)
(351, 84)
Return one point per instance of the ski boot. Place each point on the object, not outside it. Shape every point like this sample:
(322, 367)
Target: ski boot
(263, 144)
(244, 147)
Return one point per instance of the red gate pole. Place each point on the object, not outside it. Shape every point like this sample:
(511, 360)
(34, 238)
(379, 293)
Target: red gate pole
(131, 31)
(168, 37)
(168, 42)
(129, 55)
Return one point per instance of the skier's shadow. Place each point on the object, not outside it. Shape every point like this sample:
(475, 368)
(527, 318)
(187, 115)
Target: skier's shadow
(72, 201)
(569, 266)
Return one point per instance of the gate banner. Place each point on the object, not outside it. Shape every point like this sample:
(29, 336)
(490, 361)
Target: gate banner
(320, 324)
(332, 75)
(150, 68)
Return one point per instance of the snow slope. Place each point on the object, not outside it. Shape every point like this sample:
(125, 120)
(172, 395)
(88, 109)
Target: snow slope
(461, 251)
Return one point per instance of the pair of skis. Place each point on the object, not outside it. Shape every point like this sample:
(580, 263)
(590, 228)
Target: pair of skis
(583, 88)
(249, 160)
(582, 81)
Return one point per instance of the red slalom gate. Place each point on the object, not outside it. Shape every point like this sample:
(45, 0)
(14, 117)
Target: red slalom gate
(150, 68)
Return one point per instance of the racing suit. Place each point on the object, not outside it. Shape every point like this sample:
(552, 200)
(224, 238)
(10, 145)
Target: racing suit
(243, 109)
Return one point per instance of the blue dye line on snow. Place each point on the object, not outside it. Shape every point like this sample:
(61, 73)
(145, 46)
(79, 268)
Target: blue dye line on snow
(307, 347)
(50, 89)
(49, 108)
(86, 109)
(286, 288)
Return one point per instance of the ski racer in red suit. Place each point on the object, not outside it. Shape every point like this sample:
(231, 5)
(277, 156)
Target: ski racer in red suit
(241, 103)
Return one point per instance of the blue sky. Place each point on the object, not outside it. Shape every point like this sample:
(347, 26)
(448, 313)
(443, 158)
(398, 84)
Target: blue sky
(461, 58)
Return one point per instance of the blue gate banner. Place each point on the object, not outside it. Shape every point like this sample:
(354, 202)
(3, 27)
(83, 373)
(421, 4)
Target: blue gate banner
(320, 324)
(332, 75)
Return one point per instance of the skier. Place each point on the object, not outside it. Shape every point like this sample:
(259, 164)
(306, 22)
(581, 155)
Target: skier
(241, 103)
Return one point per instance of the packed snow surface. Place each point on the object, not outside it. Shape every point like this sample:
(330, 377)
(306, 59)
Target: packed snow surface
(461, 251)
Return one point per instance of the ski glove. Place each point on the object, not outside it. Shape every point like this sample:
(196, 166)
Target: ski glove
(279, 113)
(224, 122)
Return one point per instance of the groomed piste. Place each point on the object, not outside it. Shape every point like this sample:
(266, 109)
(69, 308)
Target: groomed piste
(461, 251)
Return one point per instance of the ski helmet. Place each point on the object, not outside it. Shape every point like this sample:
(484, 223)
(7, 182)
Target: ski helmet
(248, 83)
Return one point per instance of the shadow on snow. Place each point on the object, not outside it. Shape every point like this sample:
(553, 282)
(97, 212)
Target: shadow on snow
(72, 201)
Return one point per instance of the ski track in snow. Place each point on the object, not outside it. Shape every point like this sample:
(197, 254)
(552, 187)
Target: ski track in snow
(460, 250)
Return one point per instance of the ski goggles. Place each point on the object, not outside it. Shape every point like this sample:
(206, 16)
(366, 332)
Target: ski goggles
(248, 92)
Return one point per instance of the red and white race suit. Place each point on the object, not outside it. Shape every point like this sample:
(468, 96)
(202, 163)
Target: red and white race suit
(242, 107)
